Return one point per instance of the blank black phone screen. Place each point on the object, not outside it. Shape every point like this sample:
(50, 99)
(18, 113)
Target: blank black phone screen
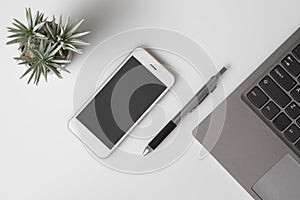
(121, 102)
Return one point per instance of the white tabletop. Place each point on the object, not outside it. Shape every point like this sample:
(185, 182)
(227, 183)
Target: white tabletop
(40, 159)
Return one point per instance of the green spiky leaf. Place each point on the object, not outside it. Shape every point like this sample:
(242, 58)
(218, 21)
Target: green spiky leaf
(22, 33)
(45, 45)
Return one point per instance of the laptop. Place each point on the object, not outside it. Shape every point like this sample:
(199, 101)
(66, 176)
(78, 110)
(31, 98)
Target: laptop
(259, 141)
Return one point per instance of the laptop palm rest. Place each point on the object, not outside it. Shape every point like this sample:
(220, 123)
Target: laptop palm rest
(280, 182)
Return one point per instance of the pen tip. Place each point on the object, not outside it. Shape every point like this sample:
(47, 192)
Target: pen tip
(147, 150)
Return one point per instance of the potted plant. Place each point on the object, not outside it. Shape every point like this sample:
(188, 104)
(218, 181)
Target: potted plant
(46, 47)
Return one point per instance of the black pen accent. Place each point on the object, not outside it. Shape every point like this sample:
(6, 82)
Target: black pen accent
(208, 88)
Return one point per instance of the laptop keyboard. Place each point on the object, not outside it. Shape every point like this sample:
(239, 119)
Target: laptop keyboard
(277, 96)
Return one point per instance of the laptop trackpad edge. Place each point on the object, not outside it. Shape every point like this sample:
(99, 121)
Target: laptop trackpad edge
(281, 181)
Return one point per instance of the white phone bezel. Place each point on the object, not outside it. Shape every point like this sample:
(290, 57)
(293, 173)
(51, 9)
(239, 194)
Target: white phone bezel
(87, 137)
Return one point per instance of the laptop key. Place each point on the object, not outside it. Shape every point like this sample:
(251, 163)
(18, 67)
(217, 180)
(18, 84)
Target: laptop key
(291, 65)
(297, 145)
(292, 133)
(296, 52)
(270, 110)
(298, 121)
(281, 121)
(257, 97)
(296, 93)
(293, 110)
(276, 93)
(283, 78)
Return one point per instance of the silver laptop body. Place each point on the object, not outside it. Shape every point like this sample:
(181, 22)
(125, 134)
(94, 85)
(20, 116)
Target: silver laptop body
(259, 144)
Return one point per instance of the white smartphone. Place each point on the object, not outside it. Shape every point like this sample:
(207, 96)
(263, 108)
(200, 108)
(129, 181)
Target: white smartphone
(121, 102)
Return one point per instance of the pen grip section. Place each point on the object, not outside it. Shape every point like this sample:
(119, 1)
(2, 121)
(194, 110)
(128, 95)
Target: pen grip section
(162, 134)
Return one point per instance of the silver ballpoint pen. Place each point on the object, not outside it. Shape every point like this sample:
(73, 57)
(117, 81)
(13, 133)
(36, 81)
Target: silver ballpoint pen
(208, 88)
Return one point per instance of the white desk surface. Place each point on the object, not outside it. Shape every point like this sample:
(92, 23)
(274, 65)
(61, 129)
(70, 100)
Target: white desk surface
(40, 159)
